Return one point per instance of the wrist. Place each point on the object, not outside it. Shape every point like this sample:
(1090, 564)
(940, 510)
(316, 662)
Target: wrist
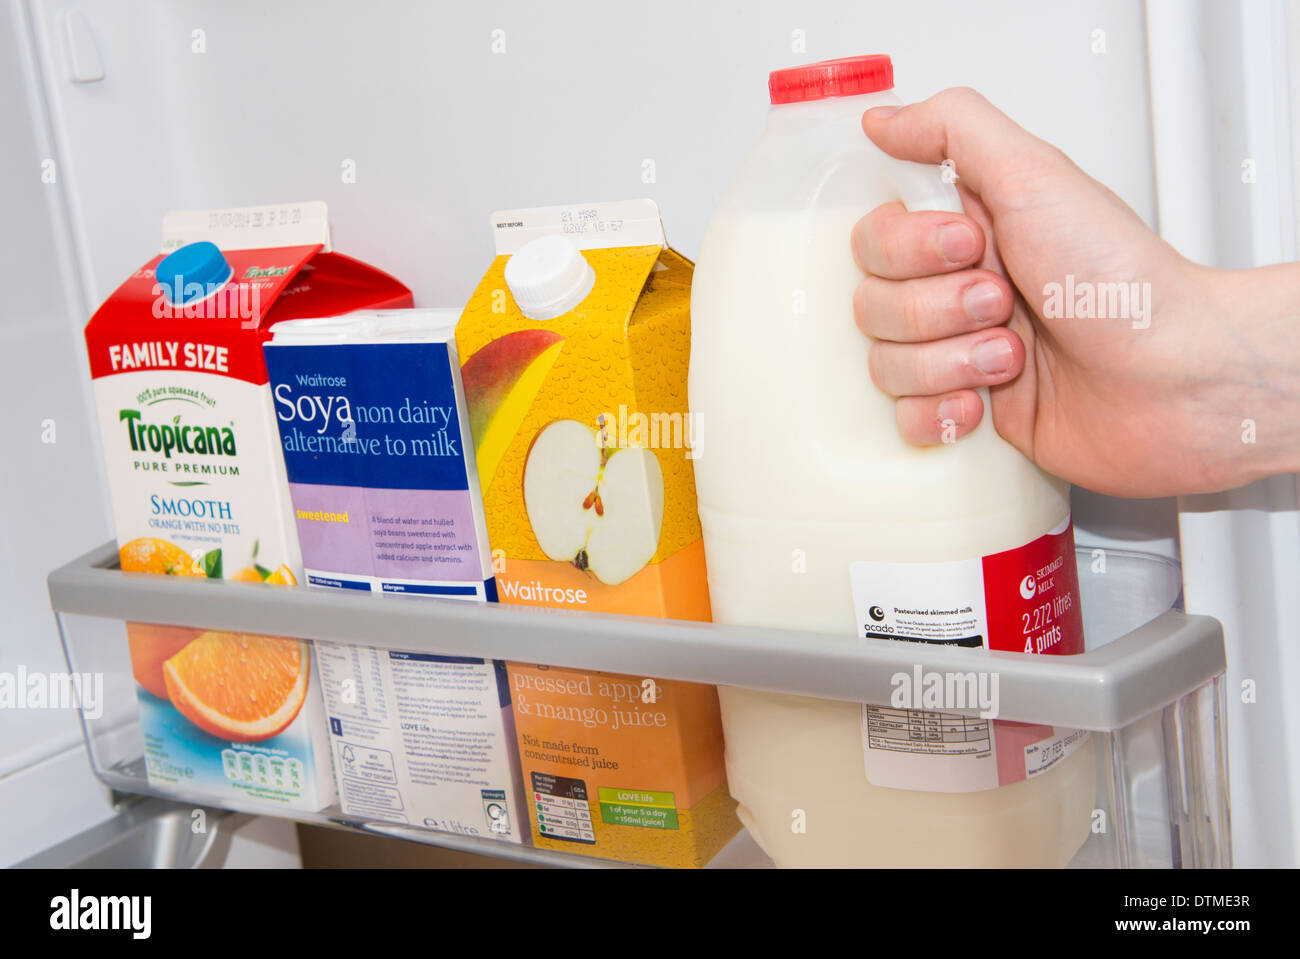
(1251, 353)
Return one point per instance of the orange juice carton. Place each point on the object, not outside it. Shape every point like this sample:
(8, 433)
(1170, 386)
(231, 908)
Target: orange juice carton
(574, 352)
(191, 447)
(197, 483)
(231, 716)
(622, 767)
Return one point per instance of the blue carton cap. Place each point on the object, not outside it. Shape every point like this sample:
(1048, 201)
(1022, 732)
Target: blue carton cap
(192, 272)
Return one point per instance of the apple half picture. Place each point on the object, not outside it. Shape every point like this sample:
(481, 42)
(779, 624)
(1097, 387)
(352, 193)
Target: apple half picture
(598, 508)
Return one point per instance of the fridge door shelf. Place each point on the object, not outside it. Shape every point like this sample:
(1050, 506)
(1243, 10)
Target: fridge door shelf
(1103, 689)
(1153, 695)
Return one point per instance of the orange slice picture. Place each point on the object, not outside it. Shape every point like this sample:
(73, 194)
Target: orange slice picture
(239, 687)
(281, 576)
(151, 555)
(151, 646)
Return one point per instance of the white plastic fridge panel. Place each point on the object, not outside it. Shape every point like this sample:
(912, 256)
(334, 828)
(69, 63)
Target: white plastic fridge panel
(49, 480)
(1225, 98)
(414, 121)
(222, 104)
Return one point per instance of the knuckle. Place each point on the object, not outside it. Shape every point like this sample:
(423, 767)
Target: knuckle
(863, 309)
(928, 372)
(860, 236)
(912, 312)
(873, 224)
(909, 425)
(892, 249)
(957, 98)
(875, 367)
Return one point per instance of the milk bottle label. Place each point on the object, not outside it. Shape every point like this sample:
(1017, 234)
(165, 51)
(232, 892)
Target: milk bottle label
(1021, 600)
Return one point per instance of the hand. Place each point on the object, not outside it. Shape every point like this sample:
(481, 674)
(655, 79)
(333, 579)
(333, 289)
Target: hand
(1148, 394)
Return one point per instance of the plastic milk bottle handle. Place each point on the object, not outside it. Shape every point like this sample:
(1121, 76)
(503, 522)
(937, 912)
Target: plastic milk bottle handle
(924, 186)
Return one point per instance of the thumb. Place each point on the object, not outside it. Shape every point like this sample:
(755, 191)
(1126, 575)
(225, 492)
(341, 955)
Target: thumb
(985, 144)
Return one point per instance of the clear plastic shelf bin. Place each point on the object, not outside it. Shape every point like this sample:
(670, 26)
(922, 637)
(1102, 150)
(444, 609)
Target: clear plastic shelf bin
(1150, 686)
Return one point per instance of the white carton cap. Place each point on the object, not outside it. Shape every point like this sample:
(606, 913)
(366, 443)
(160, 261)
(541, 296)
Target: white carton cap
(548, 277)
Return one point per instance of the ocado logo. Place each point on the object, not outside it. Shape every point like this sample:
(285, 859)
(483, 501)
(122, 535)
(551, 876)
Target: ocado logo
(1027, 587)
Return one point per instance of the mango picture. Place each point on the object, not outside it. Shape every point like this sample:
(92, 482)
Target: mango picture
(501, 381)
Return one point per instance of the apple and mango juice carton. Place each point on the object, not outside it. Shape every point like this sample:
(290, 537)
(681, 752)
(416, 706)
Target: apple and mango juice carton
(574, 352)
(622, 767)
(384, 491)
(197, 485)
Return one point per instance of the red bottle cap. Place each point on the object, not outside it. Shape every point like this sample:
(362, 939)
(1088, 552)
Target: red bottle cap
(846, 77)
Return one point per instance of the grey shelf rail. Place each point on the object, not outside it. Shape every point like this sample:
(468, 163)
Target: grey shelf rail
(1103, 689)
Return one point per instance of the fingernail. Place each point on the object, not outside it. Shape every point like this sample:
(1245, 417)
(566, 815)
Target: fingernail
(883, 112)
(954, 410)
(956, 243)
(983, 302)
(992, 356)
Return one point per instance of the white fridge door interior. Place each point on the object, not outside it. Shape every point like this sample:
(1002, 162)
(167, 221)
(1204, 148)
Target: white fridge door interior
(414, 121)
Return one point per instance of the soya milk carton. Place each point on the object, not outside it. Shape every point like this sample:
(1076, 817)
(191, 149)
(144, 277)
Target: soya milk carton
(385, 494)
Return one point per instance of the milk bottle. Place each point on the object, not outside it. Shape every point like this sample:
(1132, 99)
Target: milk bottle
(818, 516)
